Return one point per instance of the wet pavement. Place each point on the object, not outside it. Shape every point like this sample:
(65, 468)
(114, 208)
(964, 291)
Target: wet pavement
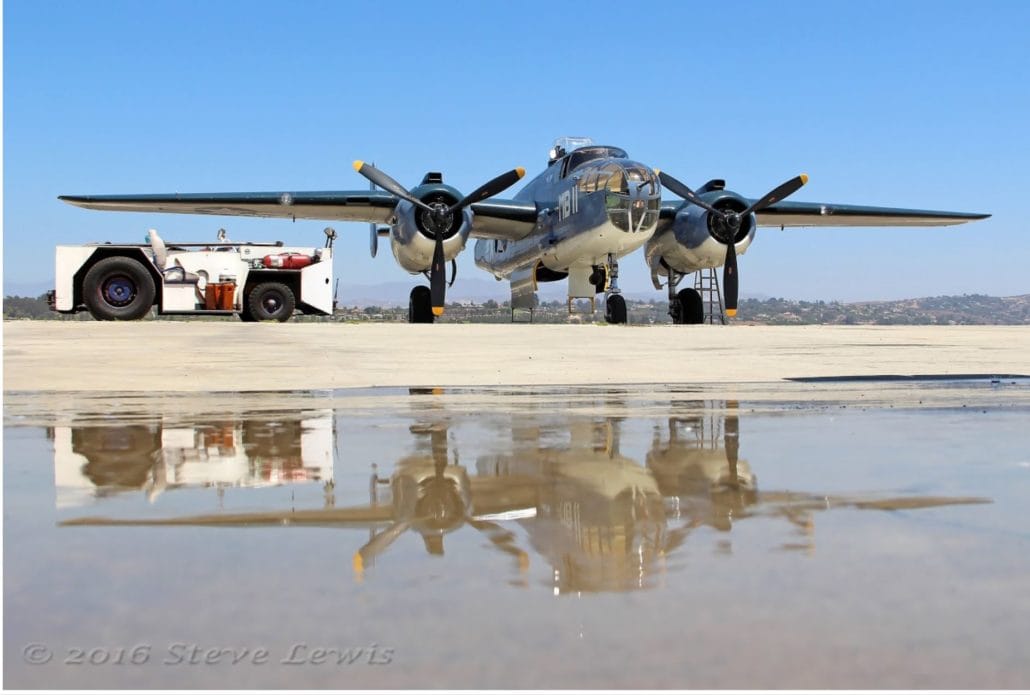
(870, 535)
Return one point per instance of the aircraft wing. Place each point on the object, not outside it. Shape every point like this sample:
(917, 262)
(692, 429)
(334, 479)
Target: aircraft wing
(503, 219)
(352, 206)
(794, 214)
(495, 218)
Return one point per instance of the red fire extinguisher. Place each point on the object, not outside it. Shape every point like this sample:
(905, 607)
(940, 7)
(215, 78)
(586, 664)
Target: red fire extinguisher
(288, 261)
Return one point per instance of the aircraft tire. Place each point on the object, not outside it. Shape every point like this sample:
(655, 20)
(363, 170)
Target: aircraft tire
(691, 308)
(420, 305)
(270, 301)
(118, 289)
(615, 309)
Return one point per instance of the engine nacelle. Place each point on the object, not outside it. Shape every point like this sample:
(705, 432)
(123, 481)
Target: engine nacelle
(697, 239)
(411, 235)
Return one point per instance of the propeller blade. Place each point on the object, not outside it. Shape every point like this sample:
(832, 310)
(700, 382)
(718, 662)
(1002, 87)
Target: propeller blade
(490, 188)
(502, 539)
(777, 194)
(730, 283)
(683, 191)
(731, 436)
(378, 544)
(438, 278)
(387, 184)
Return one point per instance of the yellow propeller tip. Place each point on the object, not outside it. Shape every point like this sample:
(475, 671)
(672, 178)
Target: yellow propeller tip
(804, 179)
(359, 563)
(520, 171)
(657, 172)
(437, 311)
(731, 312)
(358, 164)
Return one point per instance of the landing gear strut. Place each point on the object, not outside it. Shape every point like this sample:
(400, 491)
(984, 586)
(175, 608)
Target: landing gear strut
(614, 304)
(420, 305)
(685, 306)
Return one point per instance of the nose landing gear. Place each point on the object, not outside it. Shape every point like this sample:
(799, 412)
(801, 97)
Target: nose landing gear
(614, 304)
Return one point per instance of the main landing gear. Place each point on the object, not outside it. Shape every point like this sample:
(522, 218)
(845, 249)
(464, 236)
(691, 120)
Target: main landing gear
(614, 304)
(420, 305)
(685, 306)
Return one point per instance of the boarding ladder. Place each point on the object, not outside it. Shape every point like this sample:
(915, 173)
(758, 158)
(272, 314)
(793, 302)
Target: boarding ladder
(706, 282)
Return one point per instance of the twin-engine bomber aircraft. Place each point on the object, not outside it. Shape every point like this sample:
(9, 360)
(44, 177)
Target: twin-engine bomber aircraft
(590, 207)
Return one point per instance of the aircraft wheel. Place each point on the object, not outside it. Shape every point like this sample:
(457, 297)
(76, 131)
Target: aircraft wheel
(118, 289)
(270, 301)
(691, 308)
(420, 305)
(615, 309)
(245, 314)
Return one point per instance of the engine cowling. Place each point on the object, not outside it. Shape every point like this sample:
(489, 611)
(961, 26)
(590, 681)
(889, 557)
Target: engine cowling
(412, 236)
(697, 239)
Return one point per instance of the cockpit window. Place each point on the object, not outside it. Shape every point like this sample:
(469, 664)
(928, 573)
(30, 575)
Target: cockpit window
(586, 154)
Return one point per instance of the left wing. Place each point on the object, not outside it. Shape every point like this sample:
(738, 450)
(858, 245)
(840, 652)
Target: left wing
(792, 214)
(495, 218)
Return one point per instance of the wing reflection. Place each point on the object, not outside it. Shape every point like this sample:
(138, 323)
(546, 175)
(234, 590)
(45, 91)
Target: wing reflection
(560, 486)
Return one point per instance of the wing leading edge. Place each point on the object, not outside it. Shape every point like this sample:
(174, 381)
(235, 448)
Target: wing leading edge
(495, 218)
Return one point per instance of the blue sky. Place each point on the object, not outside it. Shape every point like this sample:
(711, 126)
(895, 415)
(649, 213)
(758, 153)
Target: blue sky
(919, 104)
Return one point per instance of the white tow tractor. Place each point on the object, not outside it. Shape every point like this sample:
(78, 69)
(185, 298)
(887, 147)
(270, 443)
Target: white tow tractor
(259, 281)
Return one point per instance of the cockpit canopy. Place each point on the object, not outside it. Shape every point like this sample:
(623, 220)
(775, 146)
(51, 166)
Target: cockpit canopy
(586, 154)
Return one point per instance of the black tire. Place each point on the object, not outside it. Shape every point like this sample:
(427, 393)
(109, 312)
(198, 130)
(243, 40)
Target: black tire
(420, 305)
(599, 278)
(118, 289)
(270, 301)
(615, 309)
(691, 308)
(245, 314)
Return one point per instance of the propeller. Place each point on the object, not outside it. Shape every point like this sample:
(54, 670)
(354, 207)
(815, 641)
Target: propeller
(732, 221)
(440, 217)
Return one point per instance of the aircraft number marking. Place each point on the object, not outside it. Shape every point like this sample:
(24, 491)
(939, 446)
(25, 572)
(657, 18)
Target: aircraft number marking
(568, 203)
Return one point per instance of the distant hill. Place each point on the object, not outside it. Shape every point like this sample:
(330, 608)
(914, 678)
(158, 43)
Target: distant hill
(967, 309)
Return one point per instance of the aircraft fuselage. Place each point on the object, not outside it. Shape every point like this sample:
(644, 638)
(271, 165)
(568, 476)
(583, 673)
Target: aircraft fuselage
(593, 203)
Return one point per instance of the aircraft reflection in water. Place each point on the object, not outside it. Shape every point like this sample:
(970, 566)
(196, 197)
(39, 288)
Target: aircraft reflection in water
(248, 450)
(600, 519)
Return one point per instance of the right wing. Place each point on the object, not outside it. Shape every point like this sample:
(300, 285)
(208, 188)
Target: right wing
(495, 218)
(350, 206)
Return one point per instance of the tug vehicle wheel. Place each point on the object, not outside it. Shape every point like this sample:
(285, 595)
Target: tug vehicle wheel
(270, 301)
(118, 289)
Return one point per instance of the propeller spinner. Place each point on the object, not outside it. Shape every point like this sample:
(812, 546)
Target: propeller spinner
(439, 218)
(732, 220)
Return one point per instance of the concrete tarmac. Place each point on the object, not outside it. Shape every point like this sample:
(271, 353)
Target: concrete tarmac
(203, 356)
